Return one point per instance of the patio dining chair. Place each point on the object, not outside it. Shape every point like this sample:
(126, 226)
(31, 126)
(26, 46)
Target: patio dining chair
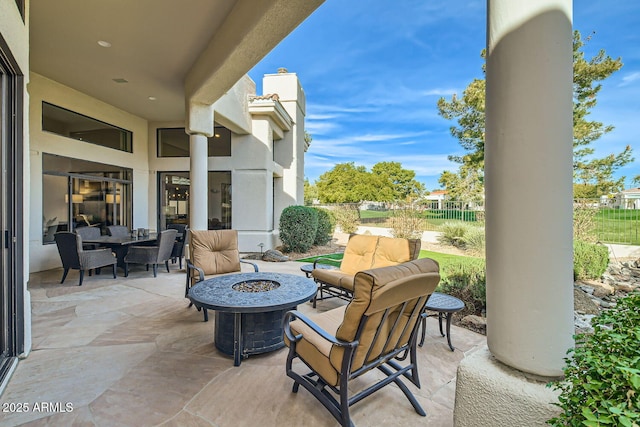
(178, 247)
(378, 329)
(118, 231)
(152, 255)
(88, 233)
(210, 252)
(73, 256)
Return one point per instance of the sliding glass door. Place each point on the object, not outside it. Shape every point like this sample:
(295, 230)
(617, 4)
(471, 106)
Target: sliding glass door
(173, 199)
(11, 216)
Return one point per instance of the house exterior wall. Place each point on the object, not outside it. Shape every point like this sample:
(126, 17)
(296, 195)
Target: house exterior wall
(44, 257)
(251, 163)
(289, 152)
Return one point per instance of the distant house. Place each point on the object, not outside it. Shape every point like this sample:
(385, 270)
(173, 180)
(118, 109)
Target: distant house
(437, 197)
(627, 199)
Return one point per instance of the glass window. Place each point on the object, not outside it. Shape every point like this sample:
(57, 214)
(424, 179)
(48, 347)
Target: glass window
(67, 123)
(174, 142)
(77, 193)
(174, 199)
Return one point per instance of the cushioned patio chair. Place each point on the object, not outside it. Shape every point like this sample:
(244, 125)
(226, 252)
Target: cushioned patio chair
(211, 252)
(118, 231)
(74, 257)
(377, 330)
(362, 252)
(152, 255)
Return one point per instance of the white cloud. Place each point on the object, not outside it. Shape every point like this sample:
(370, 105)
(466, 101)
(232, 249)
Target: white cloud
(315, 127)
(440, 92)
(630, 78)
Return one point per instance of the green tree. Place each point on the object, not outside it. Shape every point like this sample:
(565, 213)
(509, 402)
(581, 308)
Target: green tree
(402, 181)
(469, 112)
(310, 192)
(466, 185)
(348, 183)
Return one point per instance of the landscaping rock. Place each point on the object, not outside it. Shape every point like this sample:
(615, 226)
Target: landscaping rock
(273, 255)
(600, 289)
(625, 287)
(583, 304)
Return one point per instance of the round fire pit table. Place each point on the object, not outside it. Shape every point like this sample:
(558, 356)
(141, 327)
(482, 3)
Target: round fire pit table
(249, 309)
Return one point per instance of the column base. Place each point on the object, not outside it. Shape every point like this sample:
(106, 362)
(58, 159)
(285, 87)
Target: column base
(489, 393)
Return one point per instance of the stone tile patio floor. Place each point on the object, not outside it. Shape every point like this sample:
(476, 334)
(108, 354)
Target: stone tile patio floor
(128, 352)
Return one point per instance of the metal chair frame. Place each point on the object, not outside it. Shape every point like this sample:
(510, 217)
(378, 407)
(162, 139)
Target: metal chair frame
(386, 363)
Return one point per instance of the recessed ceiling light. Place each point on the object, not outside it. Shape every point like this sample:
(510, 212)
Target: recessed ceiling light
(152, 98)
(104, 43)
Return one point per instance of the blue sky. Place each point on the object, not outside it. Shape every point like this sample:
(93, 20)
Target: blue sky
(373, 70)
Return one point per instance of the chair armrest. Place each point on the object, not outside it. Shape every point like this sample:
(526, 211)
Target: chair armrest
(198, 269)
(255, 266)
(326, 260)
(295, 314)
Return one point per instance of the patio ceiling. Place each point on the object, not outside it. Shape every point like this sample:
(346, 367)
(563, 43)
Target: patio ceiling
(158, 47)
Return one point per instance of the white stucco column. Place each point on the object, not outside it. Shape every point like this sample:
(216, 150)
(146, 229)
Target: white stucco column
(528, 178)
(198, 192)
(528, 184)
(199, 127)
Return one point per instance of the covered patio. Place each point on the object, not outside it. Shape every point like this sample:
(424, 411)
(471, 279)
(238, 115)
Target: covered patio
(129, 352)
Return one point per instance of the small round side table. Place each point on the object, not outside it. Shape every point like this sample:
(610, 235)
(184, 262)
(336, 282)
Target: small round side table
(444, 305)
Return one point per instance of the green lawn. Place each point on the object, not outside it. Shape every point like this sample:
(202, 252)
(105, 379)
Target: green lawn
(611, 225)
(618, 226)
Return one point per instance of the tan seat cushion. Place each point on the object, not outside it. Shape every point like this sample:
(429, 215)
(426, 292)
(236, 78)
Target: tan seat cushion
(313, 348)
(215, 251)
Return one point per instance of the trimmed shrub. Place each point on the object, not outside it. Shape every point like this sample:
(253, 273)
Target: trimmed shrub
(601, 384)
(406, 223)
(474, 241)
(326, 226)
(584, 222)
(453, 233)
(467, 281)
(590, 260)
(298, 227)
(347, 218)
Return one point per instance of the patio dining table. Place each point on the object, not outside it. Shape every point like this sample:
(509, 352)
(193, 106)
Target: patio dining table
(120, 245)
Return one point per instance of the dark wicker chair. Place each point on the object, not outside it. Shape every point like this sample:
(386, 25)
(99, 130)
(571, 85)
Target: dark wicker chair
(211, 252)
(88, 233)
(118, 231)
(73, 256)
(378, 329)
(152, 255)
(178, 247)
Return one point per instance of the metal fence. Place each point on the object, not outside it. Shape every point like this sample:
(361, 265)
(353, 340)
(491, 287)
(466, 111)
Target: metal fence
(611, 221)
(614, 220)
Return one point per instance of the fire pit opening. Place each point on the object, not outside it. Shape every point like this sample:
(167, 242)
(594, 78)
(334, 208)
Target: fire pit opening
(256, 286)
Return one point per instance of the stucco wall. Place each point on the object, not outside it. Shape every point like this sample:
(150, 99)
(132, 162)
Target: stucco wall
(41, 89)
